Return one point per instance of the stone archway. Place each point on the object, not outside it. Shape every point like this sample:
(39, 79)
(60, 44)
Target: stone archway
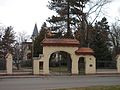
(49, 50)
(54, 45)
(65, 45)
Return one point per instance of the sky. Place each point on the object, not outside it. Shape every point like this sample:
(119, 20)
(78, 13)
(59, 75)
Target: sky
(23, 14)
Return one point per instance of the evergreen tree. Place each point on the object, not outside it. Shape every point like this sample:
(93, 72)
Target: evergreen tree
(38, 48)
(8, 40)
(101, 44)
(1, 51)
(62, 21)
(73, 15)
(2, 61)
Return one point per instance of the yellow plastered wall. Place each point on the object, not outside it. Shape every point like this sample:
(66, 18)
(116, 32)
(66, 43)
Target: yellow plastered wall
(36, 67)
(90, 67)
(48, 50)
(90, 64)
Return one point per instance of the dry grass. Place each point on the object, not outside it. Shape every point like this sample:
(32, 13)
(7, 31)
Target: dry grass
(93, 88)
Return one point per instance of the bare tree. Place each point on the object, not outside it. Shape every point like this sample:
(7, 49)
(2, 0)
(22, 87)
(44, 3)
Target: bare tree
(115, 38)
(19, 48)
(22, 37)
(87, 15)
(96, 8)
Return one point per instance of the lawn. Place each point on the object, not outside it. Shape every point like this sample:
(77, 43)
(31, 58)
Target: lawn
(94, 88)
(58, 69)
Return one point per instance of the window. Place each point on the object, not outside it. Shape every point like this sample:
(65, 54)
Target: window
(29, 56)
(29, 47)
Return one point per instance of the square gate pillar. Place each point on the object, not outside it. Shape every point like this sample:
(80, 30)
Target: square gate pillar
(75, 65)
(9, 63)
(90, 64)
(36, 67)
(46, 65)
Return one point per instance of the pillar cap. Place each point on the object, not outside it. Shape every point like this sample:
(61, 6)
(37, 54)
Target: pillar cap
(84, 51)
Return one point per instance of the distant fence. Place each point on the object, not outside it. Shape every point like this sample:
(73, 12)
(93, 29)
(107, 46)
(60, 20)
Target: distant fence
(100, 64)
(2, 64)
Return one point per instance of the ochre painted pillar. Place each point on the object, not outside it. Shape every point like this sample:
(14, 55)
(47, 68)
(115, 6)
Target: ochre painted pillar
(46, 64)
(36, 67)
(90, 64)
(9, 63)
(74, 64)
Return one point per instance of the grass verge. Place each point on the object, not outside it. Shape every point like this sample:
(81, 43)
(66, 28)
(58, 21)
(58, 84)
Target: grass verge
(117, 87)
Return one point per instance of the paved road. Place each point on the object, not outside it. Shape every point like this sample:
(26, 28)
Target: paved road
(49, 82)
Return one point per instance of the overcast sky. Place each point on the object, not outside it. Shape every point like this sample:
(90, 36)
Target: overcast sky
(23, 14)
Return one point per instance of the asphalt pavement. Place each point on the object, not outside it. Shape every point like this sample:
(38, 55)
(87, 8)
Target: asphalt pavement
(52, 82)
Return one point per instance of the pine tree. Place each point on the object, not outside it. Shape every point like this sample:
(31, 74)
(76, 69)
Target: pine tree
(61, 23)
(38, 48)
(2, 61)
(101, 44)
(8, 40)
(1, 51)
(70, 16)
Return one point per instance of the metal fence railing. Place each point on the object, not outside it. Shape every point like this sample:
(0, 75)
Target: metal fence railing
(106, 64)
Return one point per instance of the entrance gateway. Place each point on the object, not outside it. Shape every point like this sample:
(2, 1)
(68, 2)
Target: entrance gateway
(70, 46)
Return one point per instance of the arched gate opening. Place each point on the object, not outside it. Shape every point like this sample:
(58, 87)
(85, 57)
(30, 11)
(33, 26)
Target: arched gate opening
(60, 63)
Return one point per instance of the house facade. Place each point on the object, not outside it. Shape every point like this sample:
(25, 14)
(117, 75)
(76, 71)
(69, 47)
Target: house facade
(27, 50)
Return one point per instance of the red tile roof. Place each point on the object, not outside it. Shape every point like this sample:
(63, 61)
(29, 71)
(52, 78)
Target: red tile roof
(84, 51)
(61, 42)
